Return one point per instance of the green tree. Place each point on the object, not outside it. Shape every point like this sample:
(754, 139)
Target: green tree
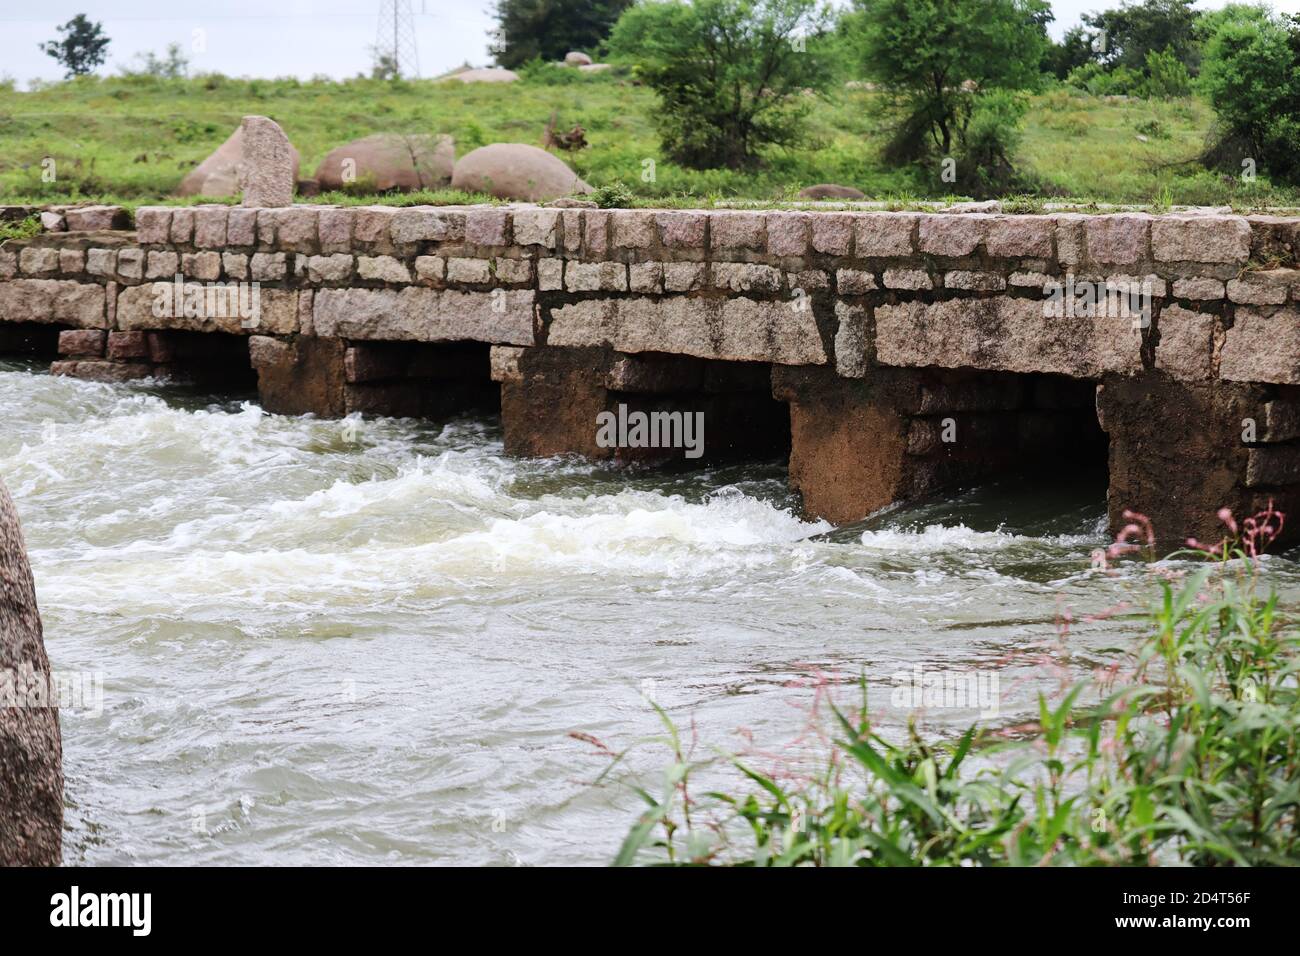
(1074, 50)
(1132, 31)
(1250, 73)
(529, 29)
(935, 59)
(82, 47)
(731, 74)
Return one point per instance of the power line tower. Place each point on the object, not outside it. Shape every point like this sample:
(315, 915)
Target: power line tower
(395, 47)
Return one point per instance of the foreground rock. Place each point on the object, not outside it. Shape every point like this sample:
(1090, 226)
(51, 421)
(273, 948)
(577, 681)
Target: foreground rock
(390, 161)
(516, 171)
(31, 750)
(218, 175)
(268, 170)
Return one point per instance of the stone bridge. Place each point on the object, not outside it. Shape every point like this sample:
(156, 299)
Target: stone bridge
(889, 354)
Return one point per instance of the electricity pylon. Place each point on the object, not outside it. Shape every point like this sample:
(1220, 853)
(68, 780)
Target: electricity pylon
(395, 38)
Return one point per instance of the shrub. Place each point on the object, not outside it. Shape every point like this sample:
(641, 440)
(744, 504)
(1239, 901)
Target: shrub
(936, 61)
(613, 195)
(1184, 750)
(1251, 75)
(1166, 76)
(730, 74)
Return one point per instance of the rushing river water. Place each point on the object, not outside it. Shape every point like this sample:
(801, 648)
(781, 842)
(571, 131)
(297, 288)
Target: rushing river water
(326, 642)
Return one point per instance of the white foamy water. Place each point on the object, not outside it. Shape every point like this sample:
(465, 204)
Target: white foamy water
(316, 650)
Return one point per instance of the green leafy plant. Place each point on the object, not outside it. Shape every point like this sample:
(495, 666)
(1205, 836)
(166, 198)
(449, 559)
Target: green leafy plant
(613, 195)
(731, 75)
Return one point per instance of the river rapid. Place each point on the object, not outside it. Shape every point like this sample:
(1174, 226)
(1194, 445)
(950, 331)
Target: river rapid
(369, 641)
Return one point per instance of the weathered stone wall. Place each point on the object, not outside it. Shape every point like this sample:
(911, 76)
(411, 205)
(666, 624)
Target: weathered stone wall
(853, 293)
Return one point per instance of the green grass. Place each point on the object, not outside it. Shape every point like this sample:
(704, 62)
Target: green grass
(131, 140)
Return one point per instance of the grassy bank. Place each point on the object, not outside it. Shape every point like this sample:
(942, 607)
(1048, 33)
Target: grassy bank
(131, 139)
(1182, 749)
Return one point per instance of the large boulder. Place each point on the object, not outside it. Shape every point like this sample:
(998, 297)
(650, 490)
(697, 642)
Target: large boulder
(575, 58)
(390, 161)
(31, 750)
(218, 175)
(493, 75)
(516, 171)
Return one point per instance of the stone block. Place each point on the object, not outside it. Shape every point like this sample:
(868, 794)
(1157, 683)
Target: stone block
(737, 230)
(460, 269)
(39, 260)
(1004, 334)
(885, 234)
(633, 229)
(241, 227)
(1118, 240)
(746, 277)
(909, 279)
(953, 235)
(1186, 349)
(210, 226)
(1262, 348)
(487, 227)
(53, 301)
(426, 315)
(1219, 239)
(82, 342)
(332, 268)
(832, 233)
(1021, 236)
(153, 225)
(682, 230)
(383, 269)
(683, 276)
(536, 227)
(268, 266)
(787, 233)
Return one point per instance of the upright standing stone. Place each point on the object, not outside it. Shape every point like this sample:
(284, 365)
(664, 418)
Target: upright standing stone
(31, 750)
(267, 171)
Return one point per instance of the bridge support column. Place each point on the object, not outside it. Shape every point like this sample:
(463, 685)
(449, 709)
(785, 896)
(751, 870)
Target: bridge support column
(300, 376)
(1180, 451)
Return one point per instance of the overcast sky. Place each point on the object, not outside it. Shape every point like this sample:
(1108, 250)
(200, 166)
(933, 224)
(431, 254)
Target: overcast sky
(292, 37)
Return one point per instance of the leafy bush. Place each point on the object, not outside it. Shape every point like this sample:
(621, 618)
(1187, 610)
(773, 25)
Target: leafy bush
(1251, 75)
(984, 166)
(730, 74)
(937, 62)
(613, 195)
(1166, 76)
(1100, 81)
(1184, 750)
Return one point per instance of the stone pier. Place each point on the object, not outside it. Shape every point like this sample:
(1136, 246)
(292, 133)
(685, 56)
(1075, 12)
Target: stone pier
(891, 355)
